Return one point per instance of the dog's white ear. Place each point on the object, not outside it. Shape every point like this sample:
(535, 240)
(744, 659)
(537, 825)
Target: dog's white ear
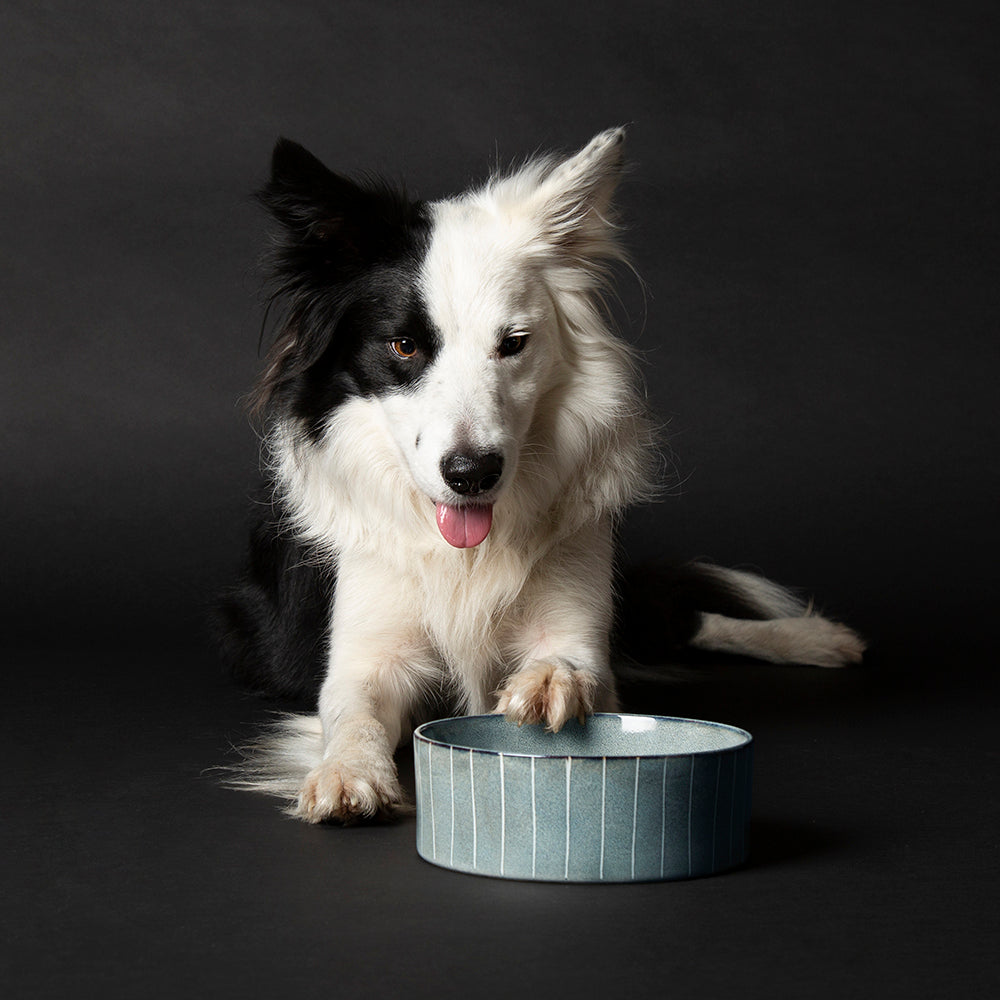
(573, 202)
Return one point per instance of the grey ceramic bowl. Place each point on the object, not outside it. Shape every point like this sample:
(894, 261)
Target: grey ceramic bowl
(623, 798)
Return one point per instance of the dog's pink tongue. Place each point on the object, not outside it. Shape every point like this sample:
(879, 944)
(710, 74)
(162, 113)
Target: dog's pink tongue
(464, 527)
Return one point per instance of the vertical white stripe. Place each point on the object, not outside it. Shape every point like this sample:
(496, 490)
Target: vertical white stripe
(569, 762)
(534, 820)
(604, 774)
(503, 817)
(451, 768)
(417, 751)
(663, 817)
(635, 812)
(472, 788)
(430, 778)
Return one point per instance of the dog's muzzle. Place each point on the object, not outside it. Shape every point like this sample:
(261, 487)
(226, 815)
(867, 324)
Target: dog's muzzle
(465, 525)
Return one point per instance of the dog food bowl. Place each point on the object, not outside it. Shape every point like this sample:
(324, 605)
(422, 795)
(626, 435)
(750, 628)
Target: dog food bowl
(622, 798)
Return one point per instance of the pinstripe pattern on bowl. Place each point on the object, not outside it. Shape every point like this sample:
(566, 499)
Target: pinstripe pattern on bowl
(622, 798)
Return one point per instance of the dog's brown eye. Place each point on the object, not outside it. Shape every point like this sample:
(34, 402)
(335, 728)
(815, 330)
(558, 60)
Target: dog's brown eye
(403, 347)
(512, 345)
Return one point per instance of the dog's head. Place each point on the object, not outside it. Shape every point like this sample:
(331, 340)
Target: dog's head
(469, 330)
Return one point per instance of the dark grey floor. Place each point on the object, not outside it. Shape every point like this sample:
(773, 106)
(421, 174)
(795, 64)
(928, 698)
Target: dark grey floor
(813, 207)
(130, 872)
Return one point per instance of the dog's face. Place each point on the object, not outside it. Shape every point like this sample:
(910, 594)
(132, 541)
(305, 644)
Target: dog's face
(444, 317)
(486, 355)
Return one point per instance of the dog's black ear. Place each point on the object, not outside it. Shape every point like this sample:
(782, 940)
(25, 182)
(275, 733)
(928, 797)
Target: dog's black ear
(318, 210)
(295, 170)
(329, 221)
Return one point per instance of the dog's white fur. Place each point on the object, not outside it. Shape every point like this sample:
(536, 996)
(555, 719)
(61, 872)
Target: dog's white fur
(518, 624)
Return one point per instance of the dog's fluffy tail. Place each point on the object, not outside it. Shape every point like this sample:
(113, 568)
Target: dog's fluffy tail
(277, 762)
(726, 610)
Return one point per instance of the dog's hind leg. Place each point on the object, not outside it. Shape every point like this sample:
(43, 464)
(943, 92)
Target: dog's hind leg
(810, 639)
(730, 611)
(775, 625)
(271, 627)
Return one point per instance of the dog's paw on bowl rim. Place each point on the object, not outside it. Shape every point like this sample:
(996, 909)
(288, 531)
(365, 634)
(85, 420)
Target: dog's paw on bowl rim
(623, 798)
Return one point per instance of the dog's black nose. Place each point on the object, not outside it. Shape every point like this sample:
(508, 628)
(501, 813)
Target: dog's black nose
(472, 474)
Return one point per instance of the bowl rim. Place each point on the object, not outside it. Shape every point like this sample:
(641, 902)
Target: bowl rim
(418, 734)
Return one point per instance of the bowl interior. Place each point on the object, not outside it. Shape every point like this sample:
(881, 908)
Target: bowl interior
(603, 735)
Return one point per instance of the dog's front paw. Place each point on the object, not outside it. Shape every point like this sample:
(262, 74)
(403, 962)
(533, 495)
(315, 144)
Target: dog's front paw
(333, 791)
(548, 692)
(357, 780)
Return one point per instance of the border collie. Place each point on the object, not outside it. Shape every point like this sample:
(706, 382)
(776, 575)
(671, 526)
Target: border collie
(453, 431)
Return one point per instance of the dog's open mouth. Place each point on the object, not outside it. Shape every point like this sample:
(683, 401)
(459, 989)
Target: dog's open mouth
(464, 527)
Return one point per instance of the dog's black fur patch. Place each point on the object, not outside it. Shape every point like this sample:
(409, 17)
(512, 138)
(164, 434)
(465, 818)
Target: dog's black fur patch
(343, 268)
(272, 626)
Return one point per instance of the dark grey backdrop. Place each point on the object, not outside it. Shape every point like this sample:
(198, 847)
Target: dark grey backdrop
(813, 211)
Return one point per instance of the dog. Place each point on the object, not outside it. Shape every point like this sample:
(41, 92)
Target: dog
(453, 433)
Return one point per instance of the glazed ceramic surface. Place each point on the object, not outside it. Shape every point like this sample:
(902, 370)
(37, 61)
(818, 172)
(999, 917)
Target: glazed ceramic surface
(622, 798)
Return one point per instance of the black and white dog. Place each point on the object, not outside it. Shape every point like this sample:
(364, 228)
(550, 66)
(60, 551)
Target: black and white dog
(453, 431)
